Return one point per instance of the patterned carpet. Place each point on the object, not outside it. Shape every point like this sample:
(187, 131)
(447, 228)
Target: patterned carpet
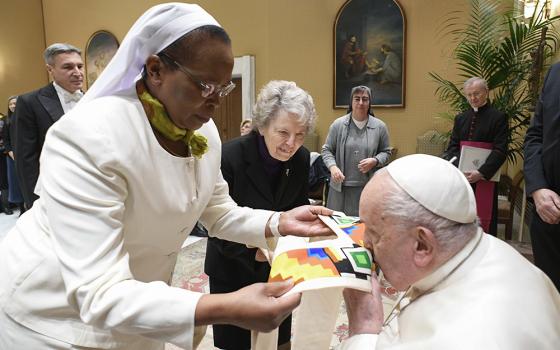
(189, 275)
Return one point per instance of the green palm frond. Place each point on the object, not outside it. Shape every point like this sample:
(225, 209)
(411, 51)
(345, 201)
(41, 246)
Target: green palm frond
(499, 47)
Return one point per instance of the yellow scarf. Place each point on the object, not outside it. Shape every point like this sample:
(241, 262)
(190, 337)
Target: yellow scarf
(159, 119)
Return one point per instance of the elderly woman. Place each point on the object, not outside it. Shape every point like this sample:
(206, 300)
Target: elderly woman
(266, 169)
(357, 145)
(124, 178)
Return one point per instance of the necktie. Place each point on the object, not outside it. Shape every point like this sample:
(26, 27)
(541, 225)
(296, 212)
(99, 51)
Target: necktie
(75, 97)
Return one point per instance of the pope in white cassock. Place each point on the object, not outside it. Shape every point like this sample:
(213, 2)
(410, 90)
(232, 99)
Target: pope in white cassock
(464, 289)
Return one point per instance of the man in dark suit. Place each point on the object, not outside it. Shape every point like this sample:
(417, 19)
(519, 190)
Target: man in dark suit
(481, 126)
(542, 176)
(36, 111)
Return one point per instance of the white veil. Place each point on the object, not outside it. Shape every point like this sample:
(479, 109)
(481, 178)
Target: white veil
(156, 29)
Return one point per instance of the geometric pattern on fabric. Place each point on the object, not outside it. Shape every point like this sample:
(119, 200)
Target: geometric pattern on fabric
(307, 264)
(360, 259)
(355, 231)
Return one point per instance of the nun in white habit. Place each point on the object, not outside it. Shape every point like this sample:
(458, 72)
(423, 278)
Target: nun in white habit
(124, 177)
(462, 288)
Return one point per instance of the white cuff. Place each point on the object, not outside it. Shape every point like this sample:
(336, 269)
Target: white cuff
(274, 223)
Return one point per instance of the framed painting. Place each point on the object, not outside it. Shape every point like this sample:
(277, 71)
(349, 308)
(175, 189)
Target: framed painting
(369, 49)
(100, 48)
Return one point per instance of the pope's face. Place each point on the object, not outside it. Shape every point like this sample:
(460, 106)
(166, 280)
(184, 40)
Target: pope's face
(476, 94)
(182, 95)
(283, 135)
(391, 245)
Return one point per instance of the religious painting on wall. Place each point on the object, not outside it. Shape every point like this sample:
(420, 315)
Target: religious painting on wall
(369, 49)
(100, 48)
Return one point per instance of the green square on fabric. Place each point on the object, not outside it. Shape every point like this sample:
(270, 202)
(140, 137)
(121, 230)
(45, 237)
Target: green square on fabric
(362, 259)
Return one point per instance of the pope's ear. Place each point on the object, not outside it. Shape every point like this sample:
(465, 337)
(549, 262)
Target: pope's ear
(425, 246)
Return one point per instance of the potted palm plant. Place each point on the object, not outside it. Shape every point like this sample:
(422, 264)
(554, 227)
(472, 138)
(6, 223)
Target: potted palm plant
(505, 49)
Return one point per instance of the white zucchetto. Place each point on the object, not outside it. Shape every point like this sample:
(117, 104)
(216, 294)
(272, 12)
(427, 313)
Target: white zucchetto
(437, 185)
(156, 29)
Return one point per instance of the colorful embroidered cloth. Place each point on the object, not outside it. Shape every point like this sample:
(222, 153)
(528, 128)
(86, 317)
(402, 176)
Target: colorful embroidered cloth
(339, 262)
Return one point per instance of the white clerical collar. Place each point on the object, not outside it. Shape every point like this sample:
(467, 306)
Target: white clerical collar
(477, 108)
(440, 274)
(67, 99)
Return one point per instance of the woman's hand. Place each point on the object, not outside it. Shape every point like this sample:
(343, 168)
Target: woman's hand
(304, 221)
(257, 307)
(336, 174)
(367, 164)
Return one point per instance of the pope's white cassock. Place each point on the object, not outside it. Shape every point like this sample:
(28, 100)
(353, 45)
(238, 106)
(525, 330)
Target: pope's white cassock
(487, 296)
(495, 299)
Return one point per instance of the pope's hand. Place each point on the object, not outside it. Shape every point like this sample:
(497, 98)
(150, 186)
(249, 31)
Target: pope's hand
(257, 307)
(304, 222)
(365, 310)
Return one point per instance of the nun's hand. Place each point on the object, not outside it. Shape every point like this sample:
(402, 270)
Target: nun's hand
(257, 307)
(336, 174)
(304, 222)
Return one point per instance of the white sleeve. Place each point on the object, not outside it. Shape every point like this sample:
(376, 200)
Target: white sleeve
(359, 342)
(84, 194)
(223, 218)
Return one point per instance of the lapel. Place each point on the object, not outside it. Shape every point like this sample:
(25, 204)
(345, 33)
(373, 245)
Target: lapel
(255, 169)
(49, 100)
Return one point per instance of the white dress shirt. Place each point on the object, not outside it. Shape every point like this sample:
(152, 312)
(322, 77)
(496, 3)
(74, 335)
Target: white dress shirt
(67, 99)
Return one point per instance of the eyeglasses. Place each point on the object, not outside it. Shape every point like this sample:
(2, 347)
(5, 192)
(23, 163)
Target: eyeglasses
(207, 89)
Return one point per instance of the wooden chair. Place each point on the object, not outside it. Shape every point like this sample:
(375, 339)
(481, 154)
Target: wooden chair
(513, 192)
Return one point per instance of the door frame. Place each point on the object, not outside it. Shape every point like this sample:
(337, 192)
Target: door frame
(244, 68)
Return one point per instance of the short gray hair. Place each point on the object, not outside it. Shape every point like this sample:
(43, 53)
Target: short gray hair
(451, 235)
(475, 80)
(281, 95)
(56, 49)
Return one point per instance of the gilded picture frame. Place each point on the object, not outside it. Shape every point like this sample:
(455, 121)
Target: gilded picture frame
(100, 48)
(369, 49)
